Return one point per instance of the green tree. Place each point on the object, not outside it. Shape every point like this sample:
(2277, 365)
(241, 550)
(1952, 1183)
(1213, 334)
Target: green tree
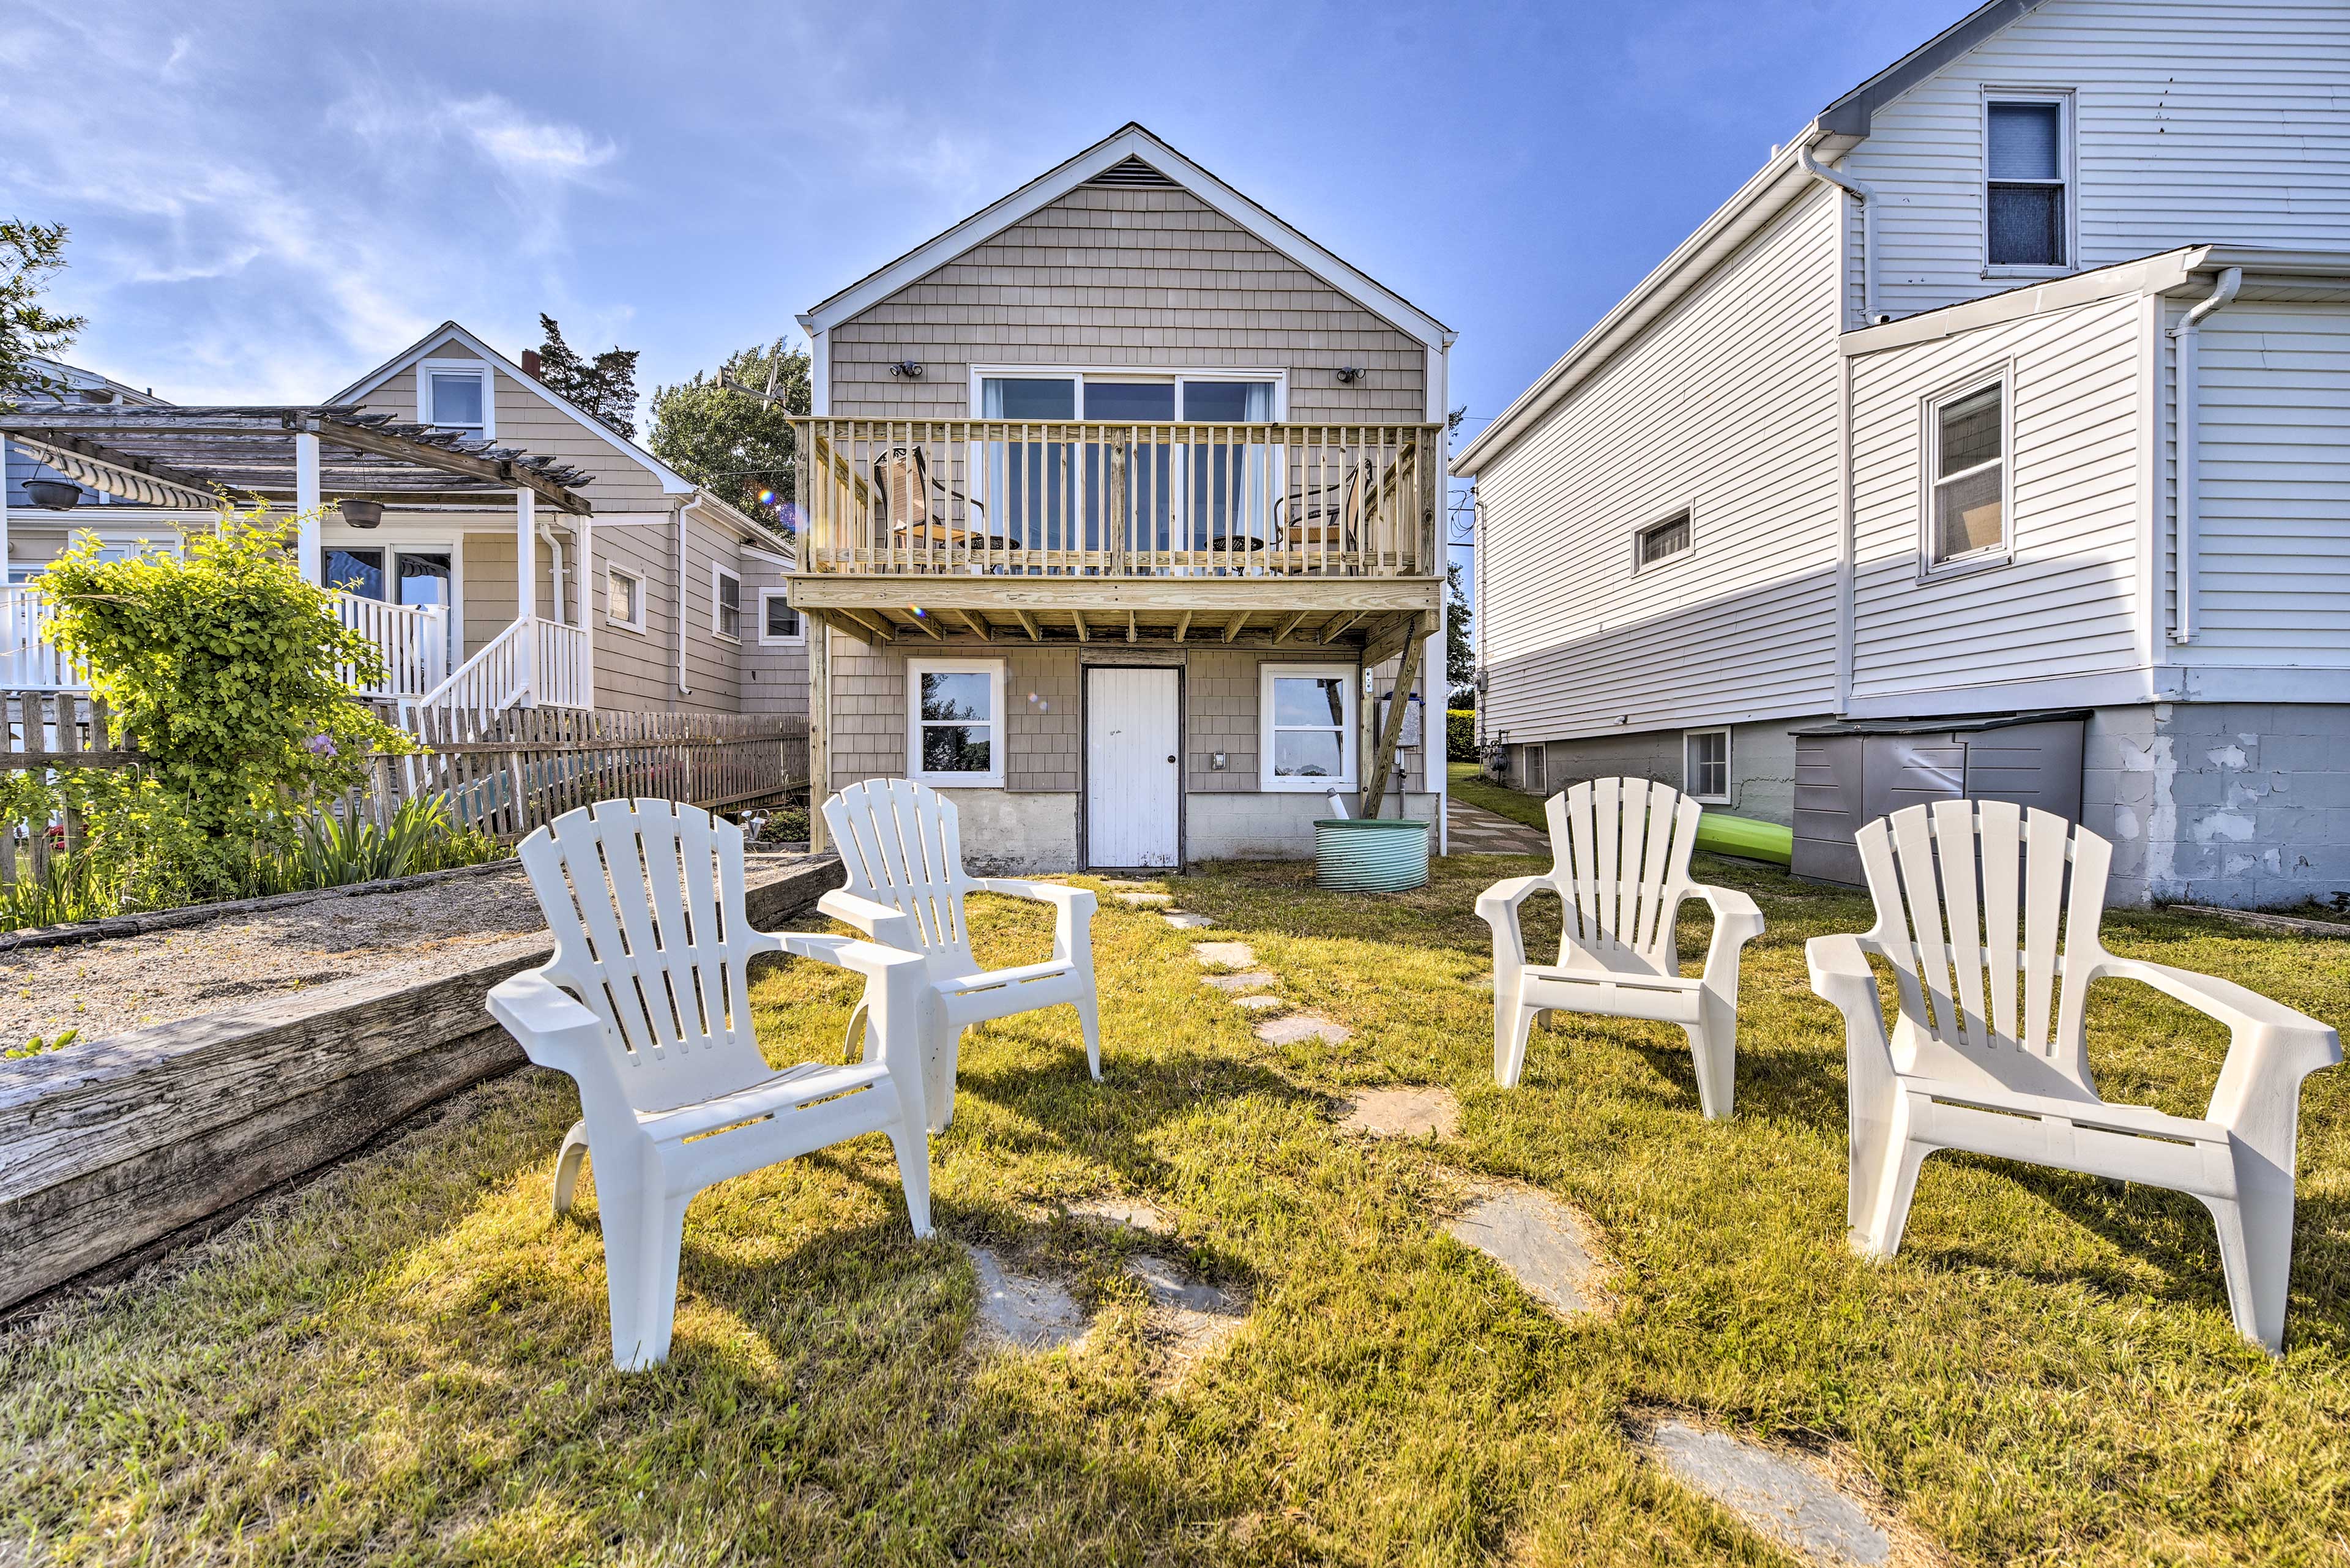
(730, 431)
(1459, 654)
(604, 387)
(229, 670)
(30, 255)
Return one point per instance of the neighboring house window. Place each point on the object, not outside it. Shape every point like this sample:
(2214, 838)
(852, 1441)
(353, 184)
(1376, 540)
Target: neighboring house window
(1662, 541)
(455, 394)
(1705, 765)
(624, 598)
(1966, 512)
(1531, 768)
(955, 721)
(779, 622)
(1307, 726)
(725, 604)
(2027, 212)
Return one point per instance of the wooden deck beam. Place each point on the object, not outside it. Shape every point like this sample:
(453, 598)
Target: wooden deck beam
(1078, 619)
(1119, 596)
(1232, 627)
(1289, 626)
(1028, 624)
(978, 625)
(1182, 626)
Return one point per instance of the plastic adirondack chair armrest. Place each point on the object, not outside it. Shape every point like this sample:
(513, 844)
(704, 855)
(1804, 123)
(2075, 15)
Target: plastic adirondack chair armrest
(544, 1016)
(870, 960)
(1840, 973)
(2269, 1042)
(1073, 907)
(877, 921)
(1499, 902)
(1737, 920)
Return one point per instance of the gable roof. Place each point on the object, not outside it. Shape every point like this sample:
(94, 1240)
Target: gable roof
(672, 482)
(1754, 205)
(1126, 156)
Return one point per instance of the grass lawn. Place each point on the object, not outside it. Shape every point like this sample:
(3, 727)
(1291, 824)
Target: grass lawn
(408, 1360)
(1468, 781)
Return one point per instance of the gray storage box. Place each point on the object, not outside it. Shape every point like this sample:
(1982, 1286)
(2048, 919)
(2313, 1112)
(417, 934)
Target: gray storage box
(1853, 772)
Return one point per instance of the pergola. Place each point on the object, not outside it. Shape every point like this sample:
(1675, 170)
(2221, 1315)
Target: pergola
(303, 457)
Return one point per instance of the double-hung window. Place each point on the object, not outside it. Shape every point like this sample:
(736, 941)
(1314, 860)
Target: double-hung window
(954, 721)
(624, 598)
(2026, 201)
(1966, 476)
(779, 622)
(1307, 726)
(1705, 765)
(454, 394)
(725, 604)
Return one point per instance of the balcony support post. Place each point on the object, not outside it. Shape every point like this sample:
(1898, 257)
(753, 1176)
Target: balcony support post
(526, 591)
(308, 553)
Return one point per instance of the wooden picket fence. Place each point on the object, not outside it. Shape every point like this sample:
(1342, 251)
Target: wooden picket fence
(505, 773)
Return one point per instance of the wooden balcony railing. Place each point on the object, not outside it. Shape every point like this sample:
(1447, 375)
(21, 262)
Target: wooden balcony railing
(1090, 498)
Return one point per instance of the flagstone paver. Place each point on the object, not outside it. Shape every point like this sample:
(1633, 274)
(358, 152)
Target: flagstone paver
(1145, 900)
(1544, 1244)
(1403, 1113)
(1777, 1494)
(1022, 1311)
(1126, 1211)
(1184, 920)
(1299, 1027)
(1260, 1002)
(1224, 955)
(1247, 979)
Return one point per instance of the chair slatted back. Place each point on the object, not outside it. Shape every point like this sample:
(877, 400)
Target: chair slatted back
(645, 900)
(902, 474)
(1981, 908)
(902, 845)
(1621, 854)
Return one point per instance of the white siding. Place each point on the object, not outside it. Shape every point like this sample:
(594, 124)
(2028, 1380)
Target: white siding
(2065, 604)
(2211, 122)
(2273, 559)
(1726, 407)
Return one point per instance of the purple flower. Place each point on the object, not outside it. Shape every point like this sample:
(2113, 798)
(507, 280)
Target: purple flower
(320, 745)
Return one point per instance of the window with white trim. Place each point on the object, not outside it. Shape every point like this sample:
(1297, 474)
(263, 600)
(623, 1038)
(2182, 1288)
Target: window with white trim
(454, 394)
(725, 604)
(1307, 726)
(624, 598)
(1705, 765)
(1966, 476)
(1660, 541)
(779, 622)
(2027, 144)
(954, 721)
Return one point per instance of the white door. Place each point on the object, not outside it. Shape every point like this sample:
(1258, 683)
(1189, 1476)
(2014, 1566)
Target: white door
(1134, 769)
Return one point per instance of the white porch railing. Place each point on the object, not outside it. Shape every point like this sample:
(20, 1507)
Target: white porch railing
(413, 640)
(531, 663)
(27, 660)
(560, 677)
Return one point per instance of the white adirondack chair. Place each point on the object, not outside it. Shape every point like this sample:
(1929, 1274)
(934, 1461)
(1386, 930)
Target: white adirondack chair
(644, 1005)
(1620, 854)
(903, 850)
(1972, 907)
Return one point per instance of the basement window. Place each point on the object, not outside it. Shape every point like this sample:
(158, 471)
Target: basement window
(955, 720)
(1662, 541)
(1705, 765)
(1307, 726)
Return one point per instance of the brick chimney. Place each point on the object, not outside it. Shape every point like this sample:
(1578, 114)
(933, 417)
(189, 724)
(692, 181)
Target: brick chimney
(530, 363)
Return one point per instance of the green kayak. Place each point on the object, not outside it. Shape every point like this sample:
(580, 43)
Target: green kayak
(1745, 837)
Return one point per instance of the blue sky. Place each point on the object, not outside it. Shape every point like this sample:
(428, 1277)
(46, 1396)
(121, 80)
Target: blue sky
(267, 199)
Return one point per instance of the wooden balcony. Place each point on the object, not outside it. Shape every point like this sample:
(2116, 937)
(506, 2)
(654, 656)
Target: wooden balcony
(1089, 529)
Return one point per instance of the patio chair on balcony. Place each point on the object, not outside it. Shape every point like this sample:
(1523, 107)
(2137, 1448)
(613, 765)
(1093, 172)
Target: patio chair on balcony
(1974, 900)
(917, 521)
(644, 1006)
(901, 843)
(1325, 516)
(1620, 853)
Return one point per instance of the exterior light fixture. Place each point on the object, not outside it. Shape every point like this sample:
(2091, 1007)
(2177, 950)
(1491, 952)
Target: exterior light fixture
(1350, 374)
(911, 370)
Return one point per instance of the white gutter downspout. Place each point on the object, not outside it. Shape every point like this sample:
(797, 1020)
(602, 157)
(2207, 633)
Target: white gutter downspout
(1867, 200)
(682, 688)
(553, 567)
(2189, 395)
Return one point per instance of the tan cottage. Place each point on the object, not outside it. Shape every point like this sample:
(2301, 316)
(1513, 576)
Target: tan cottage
(1120, 522)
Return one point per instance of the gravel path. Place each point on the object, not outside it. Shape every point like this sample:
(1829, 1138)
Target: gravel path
(122, 983)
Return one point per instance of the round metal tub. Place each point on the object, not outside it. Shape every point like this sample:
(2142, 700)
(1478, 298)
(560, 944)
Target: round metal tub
(1369, 855)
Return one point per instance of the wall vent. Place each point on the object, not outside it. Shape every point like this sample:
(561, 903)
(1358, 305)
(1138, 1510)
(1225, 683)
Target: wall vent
(1135, 174)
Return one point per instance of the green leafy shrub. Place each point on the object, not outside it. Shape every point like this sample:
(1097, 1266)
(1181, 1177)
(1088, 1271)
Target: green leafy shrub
(419, 837)
(1460, 733)
(233, 675)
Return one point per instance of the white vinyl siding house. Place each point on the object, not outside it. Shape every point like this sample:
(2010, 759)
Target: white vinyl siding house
(1965, 500)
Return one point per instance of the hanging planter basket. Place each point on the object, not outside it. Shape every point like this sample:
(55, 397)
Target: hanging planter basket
(1369, 855)
(53, 494)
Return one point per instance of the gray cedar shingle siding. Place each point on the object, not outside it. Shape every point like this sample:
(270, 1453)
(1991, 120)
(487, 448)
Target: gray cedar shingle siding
(1137, 279)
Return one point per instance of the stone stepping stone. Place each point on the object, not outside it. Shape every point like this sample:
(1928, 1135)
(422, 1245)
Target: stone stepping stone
(1778, 1495)
(1184, 920)
(1224, 955)
(1133, 1215)
(1261, 1003)
(1164, 1284)
(1130, 883)
(1021, 1311)
(1541, 1242)
(1247, 979)
(1186, 1318)
(1145, 900)
(1403, 1113)
(1299, 1027)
